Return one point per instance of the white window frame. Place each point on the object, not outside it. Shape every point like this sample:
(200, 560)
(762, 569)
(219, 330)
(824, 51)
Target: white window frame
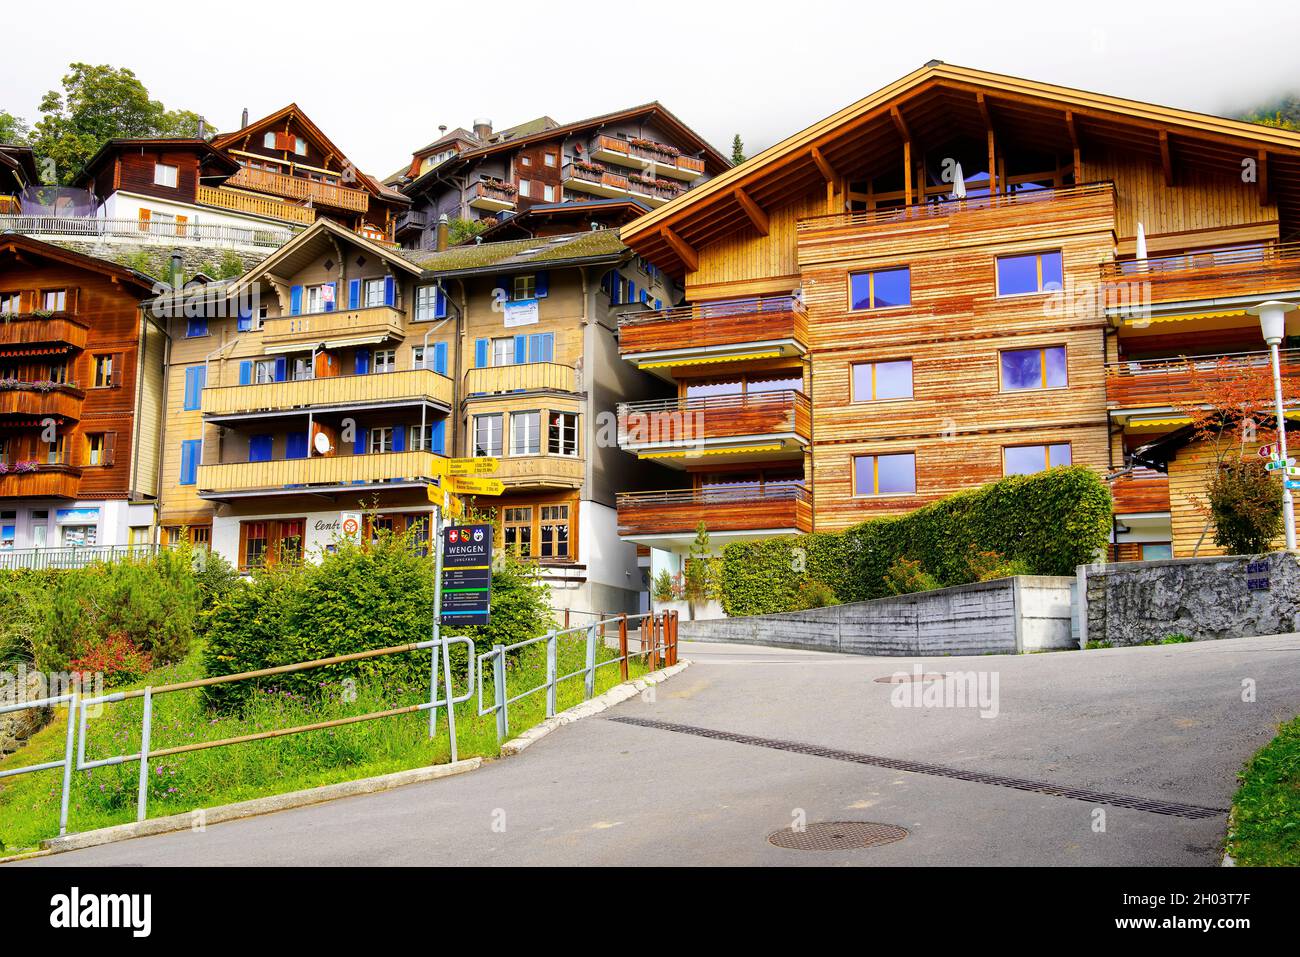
(372, 293)
(380, 440)
(570, 431)
(507, 356)
(526, 282)
(495, 422)
(532, 444)
(384, 360)
(263, 371)
(165, 174)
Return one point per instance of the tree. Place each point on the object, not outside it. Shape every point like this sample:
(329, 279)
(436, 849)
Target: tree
(737, 150)
(13, 129)
(99, 103)
(697, 570)
(463, 230)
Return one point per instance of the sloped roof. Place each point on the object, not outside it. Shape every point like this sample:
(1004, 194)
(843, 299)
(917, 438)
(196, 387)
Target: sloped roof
(10, 242)
(114, 146)
(593, 246)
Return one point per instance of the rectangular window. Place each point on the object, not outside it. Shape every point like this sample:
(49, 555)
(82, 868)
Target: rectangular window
(54, 300)
(523, 188)
(881, 289)
(255, 544)
(525, 433)
(1034, 272)
(385, 360)
(374, 293)
(95, 449)
(550, 159)
(548, 193)
(103, 372)
(264, 371)
(426, 303)
(10, 303)
(164, 175)
(876, 381)
(503, 352)
(81, 535)
(1157, 551)
(1023, 369)
(432, 437)
(562, 433)
(518, 530)
(884, 474)
(302, 369)
(554, 532)
(289, 540)
(525, 287)
(1028, 459)
(487, 435)
(381, 439)
(56, 452)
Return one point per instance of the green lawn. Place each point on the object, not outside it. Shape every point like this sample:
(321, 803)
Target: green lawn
(29, 804)
(1266, 810)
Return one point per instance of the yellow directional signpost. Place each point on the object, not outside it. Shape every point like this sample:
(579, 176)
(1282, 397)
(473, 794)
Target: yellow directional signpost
(479, 466)
(476, 486)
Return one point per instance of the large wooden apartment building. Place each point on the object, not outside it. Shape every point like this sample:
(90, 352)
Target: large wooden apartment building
(935, 287)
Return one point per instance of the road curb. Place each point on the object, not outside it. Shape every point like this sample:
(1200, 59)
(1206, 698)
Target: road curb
(615, 695)
(252, 808)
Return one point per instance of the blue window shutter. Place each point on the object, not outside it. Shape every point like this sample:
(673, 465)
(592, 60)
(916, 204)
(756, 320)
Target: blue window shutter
(281, 368)
(480, 353)
(501, 290)
(363, 361)
(521, 349)
(390, 291)
(295, 446)
(645, 297)
(615, 289)
(631, 291)
(189, 461)
(439, 304)
(195, 328)
(399, 438)
(439, 439)
(295, 300)
(259, 448)
(246, 372)
(331, 301)
(195, 377)
(543, 280)
(548, 347)
(245, 319)
(354, 293)
(440, 357)
(659, 304)
(359, 446)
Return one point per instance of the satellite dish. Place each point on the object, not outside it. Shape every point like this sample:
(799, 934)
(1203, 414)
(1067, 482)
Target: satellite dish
(322, 443)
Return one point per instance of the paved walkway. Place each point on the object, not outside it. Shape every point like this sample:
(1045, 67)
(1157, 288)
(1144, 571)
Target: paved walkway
(1164, 724)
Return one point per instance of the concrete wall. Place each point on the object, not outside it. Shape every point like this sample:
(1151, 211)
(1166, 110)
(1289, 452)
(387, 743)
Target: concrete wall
(1009, 615)
(1204, 598)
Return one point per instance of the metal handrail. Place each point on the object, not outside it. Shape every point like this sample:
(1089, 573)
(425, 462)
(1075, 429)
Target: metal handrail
(66, 764)
(794, 398)
(71, 556)
(776, 492)
(728, 308)
(1236, 360)
(270, 237)
(1155, 267)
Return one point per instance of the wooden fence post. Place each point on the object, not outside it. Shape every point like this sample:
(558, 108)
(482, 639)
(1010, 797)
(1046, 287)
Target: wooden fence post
(622, 645)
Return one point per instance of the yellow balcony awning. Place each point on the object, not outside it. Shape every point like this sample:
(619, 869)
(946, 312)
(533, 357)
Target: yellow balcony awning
(1187, 317)
(772, 354)
(683, 453)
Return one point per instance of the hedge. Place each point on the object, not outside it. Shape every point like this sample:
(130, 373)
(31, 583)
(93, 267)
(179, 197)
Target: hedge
(1050, 522)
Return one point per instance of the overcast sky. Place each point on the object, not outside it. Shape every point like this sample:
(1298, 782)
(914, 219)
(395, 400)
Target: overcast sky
(380, 77)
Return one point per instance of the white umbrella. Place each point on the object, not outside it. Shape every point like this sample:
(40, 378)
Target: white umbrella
(958, 184)
(1141, 247)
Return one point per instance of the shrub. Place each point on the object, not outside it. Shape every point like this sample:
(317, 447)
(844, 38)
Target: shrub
(23, 600)
(1042, 524)
(1246, 503)
(906, 576)
(985, 566)
(815, 594)
(215, 576)
(665, 588)
(117, 658)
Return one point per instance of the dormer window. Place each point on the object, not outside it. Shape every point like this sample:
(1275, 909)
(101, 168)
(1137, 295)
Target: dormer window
(164, 175)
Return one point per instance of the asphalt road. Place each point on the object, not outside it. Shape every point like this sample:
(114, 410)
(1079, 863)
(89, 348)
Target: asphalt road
(1166, 724)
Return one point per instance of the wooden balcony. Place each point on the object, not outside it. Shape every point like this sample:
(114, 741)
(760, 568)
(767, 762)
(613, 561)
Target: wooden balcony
(63, 402)
(492, 197)
(299, 187)
(253, 204)
(1184, 382)
(613, 149)
(410, 221)
(776, 508)
(527, 472)
(48, 481)
(524, 377)
(30, 330)
(336, 329)
(750, 427)
(1223, 273)
(410, 386)
(1140, 494)
(767, 327)
(597, 182)
(315, 474)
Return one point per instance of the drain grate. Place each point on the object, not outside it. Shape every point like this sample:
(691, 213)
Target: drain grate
(1170, 808)
(898, 679)
(837, 836)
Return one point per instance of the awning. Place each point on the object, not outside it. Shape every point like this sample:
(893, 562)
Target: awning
(727, 451)
(34, 351)
(1186, 317)
(663, 363)
(328, 343)
(1182, 420)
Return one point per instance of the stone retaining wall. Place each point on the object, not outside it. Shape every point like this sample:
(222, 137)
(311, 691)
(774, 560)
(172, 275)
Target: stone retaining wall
(17, 726)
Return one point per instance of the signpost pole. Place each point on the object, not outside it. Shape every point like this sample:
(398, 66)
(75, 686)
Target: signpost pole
(436, 540)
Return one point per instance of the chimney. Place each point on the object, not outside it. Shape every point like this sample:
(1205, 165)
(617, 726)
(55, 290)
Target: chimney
(244, 120)
(483, 129)
(202, 128)
(178, 269)
(444, 232)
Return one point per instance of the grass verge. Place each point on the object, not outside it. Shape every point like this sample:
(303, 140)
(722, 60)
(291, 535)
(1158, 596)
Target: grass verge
(1266, 809)
(29, 804)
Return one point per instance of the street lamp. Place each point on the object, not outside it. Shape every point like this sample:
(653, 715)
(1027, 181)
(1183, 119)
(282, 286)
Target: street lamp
(1272, 322)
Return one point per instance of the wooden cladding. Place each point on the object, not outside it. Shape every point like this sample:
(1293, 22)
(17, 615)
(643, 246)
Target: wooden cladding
(329, 471)
(1140, 495)
(35, 330)
(62, 403)
(765, 319)
(669, 423)
(721, 509)
(299, 187)
(252, 203)
(315, 328)
(49, 481)
(1183, 382)
(522, 377)
(413, 385)
(1244, 271)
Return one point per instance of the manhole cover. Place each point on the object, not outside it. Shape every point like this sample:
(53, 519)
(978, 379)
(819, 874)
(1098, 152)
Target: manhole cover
(837, 836)
(900, 677)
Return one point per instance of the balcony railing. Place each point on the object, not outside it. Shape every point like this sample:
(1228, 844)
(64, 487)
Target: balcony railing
(1182, 382)
(525, 472)
(253, 204)
(1139, 493)
(149, 232)
(72, 556)
(411, 219)
(666, 159)
(492, 196)
(599, 181)
(387, 388)
(524, 377)
(1239, 271)
(739, 508)
(715, 324)
(299, 187)
(290, 475)
(687, 423)
(48, 481)
(340, 325)
(29, 398)
(921, 212)
(26, 329)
